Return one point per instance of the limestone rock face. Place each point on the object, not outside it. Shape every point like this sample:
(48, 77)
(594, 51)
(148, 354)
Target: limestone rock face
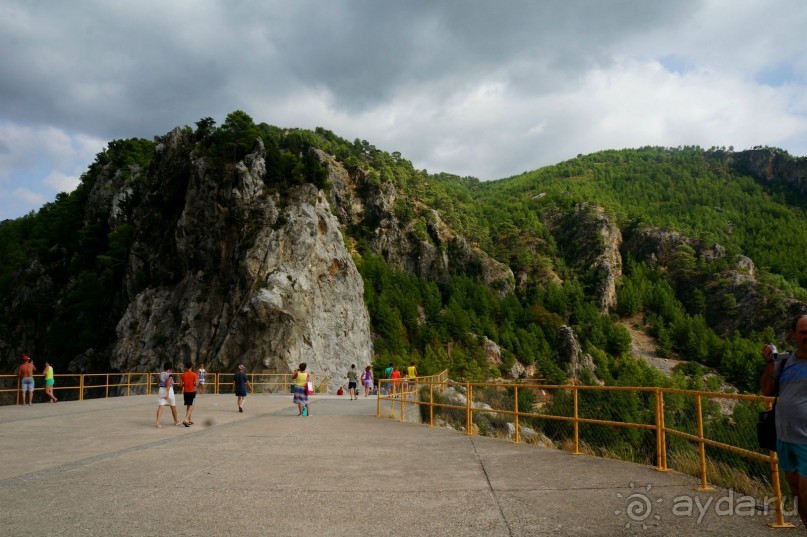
(435, 256)
(239, 277)
(569, 349)
(591, 243)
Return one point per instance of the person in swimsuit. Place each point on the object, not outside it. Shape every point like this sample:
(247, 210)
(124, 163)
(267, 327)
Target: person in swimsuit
(26, 375)
(49, 382)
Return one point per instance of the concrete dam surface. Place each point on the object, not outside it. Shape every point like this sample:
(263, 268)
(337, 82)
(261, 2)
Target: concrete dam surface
(101, 468)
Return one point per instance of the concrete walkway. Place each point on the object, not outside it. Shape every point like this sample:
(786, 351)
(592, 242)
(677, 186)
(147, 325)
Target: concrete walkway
(100, 467)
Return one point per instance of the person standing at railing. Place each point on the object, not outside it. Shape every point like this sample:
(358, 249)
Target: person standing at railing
(785, 376)
(411, 373)
(241, 386)
(49, 382)
(202, 374)
(188, 381)
(367, 380)
(396, 380)
(388, 375)
(166, 394)
(300, 378)
(26, 375)
(352, 382)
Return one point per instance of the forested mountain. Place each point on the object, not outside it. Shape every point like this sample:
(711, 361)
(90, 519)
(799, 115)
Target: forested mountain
(191, 246)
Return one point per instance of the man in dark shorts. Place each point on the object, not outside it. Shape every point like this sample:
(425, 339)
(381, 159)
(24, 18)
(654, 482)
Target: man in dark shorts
(189, 379)
(352, 382)
(785, 376)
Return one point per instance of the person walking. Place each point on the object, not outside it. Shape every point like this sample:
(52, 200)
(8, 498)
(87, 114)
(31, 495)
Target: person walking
(352, 382)
(49, 382)
(202, 374)
(25, 373)
(241, 386)
(166, 395)
(367, 380)
(188, 381)
(300, 379)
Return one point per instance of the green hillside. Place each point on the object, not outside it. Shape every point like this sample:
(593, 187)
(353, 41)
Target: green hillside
(702, 194)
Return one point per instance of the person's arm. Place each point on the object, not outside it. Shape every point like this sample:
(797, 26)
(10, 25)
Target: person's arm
(767, 381)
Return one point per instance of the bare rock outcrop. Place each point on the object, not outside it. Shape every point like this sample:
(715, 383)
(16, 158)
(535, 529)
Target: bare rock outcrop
(435, 255)
(590, 242)
(249, 278)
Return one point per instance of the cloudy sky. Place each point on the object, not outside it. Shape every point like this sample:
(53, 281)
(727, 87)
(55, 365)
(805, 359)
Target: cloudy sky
(482, 88)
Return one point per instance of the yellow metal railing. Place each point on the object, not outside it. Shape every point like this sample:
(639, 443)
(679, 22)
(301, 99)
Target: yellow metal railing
(414, 393)
(103, 385)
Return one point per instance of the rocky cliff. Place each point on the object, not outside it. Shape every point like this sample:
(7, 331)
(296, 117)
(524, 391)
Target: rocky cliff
(435, 256)
(222, 271)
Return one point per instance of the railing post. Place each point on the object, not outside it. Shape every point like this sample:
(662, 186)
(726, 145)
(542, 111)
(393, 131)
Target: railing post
(431, 404)
(81, 387)
(701, 446)
(378, 401)
(662, 434)
(515, 416)
(469, 421)
(128, 384)
(576, 424)
(777, 492)
(657, 394)
(403, 403)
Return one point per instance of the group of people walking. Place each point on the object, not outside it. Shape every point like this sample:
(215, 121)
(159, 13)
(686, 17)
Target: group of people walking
(190, 380)
(353, 381)
(193, 382)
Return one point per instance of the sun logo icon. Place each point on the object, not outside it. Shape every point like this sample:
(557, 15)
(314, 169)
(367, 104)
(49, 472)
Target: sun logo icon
(639, 507)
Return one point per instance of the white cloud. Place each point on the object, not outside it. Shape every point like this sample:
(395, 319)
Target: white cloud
(61, 182)
(460, 86)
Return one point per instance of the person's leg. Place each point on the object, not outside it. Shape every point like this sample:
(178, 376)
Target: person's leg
(798, 487)
(159, 413)
(189, 414)
(174, 414)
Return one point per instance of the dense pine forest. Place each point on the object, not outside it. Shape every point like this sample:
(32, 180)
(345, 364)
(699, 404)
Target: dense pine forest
(709, 196)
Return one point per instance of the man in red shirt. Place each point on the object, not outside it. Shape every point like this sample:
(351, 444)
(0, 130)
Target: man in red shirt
(188, 380)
